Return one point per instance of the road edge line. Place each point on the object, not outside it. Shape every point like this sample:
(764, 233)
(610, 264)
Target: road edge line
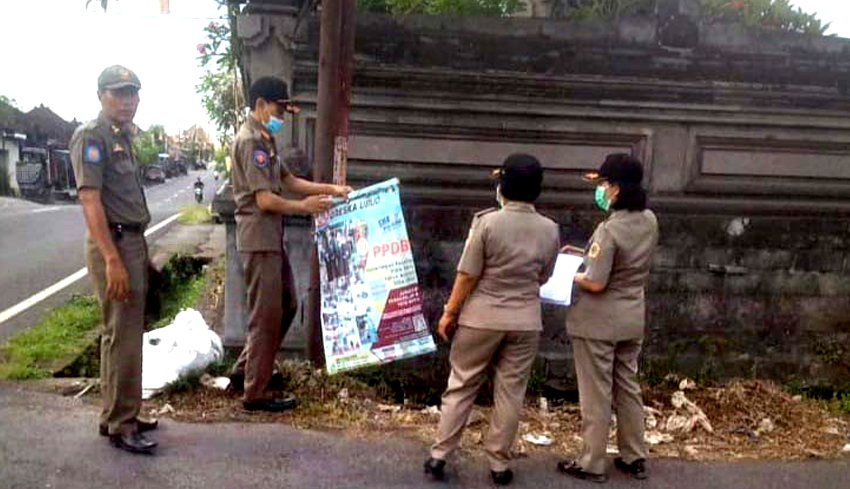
(34, 299)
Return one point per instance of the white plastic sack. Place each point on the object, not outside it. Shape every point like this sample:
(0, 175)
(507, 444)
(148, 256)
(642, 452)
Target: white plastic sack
(184, 346)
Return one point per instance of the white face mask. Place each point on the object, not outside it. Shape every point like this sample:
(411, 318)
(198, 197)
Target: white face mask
(499, 198)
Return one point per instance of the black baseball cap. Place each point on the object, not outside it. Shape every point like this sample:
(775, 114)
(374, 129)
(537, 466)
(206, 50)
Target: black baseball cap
(618, 168)
(272, 89)
(520, 177)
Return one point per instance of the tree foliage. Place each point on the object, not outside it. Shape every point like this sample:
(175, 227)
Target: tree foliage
(219, 87)
(103, 3)
(8, 106)
(150, 143)
(769, 14)
(442, 7)
(218, 95)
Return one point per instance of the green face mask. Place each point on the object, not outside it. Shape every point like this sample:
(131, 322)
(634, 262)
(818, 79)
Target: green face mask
(601, 201)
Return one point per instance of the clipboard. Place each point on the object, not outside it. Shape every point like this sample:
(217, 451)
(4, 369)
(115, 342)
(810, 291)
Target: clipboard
(559, 289)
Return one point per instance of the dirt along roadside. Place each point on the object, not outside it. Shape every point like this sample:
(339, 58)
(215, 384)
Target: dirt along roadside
(738, 420)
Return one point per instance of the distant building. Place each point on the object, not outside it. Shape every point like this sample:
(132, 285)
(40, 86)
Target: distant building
(38, 128)
(10, 154)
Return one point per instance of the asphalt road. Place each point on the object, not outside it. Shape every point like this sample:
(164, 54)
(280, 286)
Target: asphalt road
(47, 441)
(40, 245)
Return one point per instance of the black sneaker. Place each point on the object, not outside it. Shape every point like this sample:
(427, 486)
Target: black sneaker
(636, 469)
(434, 467)
(502, 477)
(571, 467)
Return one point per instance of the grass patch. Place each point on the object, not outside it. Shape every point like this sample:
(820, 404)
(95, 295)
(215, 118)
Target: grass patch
(181, 287)
(65, 331)
(841, 403)
(195, 214)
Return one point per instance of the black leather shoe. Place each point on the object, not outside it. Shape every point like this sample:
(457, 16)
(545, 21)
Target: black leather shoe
(571, 467)
(636, 469)
(237, 382)
(132, 442)
(273, 405)
(276, 383)
(503, 477)
(434, 467)
(141, 425)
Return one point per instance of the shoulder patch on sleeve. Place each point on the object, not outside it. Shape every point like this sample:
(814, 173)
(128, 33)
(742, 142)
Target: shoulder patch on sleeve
(92, 151)
(261, 159)
(594, 250)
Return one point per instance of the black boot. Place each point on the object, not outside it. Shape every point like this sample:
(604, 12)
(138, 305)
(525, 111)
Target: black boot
(434, 467)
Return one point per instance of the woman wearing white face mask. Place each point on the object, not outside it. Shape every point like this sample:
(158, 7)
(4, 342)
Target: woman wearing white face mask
(606, 324)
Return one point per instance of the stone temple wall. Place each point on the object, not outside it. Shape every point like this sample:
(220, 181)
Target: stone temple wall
(745, 136)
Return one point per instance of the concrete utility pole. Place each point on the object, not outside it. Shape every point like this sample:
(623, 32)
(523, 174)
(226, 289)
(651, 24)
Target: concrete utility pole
(336, 67)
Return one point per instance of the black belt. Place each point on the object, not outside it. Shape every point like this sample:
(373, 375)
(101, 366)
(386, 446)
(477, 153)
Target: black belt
(121, 227)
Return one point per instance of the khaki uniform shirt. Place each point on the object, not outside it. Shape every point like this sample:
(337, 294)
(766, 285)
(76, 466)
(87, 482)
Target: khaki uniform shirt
(618, 256)
(103, 158)
(512, 251)
(256, 167)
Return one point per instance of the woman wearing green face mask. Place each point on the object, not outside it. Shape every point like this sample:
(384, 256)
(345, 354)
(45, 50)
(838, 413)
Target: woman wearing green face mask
(606, 324)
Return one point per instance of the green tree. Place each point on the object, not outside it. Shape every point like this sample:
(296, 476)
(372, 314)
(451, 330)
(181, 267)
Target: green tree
(441, 7)
(219, 95)
(150, 143)
(103, 3)
(8, 108)
(767, 14)
(220, 87)
(221, 153)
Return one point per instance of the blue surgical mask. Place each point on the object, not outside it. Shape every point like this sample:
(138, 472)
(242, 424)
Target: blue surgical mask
(601, 201)
(274, 124)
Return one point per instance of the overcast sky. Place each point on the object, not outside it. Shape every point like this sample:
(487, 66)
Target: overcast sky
(53, 51)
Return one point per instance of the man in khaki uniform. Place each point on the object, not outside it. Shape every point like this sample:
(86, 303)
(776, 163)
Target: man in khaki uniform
(259, 179)
(495, 302)
(116, 215)
(607, 322)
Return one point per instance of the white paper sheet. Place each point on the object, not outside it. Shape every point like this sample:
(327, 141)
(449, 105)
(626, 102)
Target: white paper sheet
(559, 289)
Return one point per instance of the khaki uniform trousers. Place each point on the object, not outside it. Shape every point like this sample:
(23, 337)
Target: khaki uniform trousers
(272, 305)
(511, 353)
(123, 327)
(607, 373)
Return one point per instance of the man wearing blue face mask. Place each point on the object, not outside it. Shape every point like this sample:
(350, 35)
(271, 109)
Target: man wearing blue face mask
(259, 178)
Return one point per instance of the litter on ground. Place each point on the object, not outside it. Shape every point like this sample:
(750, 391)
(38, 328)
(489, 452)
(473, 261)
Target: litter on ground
(186, 345)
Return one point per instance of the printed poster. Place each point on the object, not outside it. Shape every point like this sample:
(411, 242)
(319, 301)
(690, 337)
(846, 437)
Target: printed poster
(371, 302)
